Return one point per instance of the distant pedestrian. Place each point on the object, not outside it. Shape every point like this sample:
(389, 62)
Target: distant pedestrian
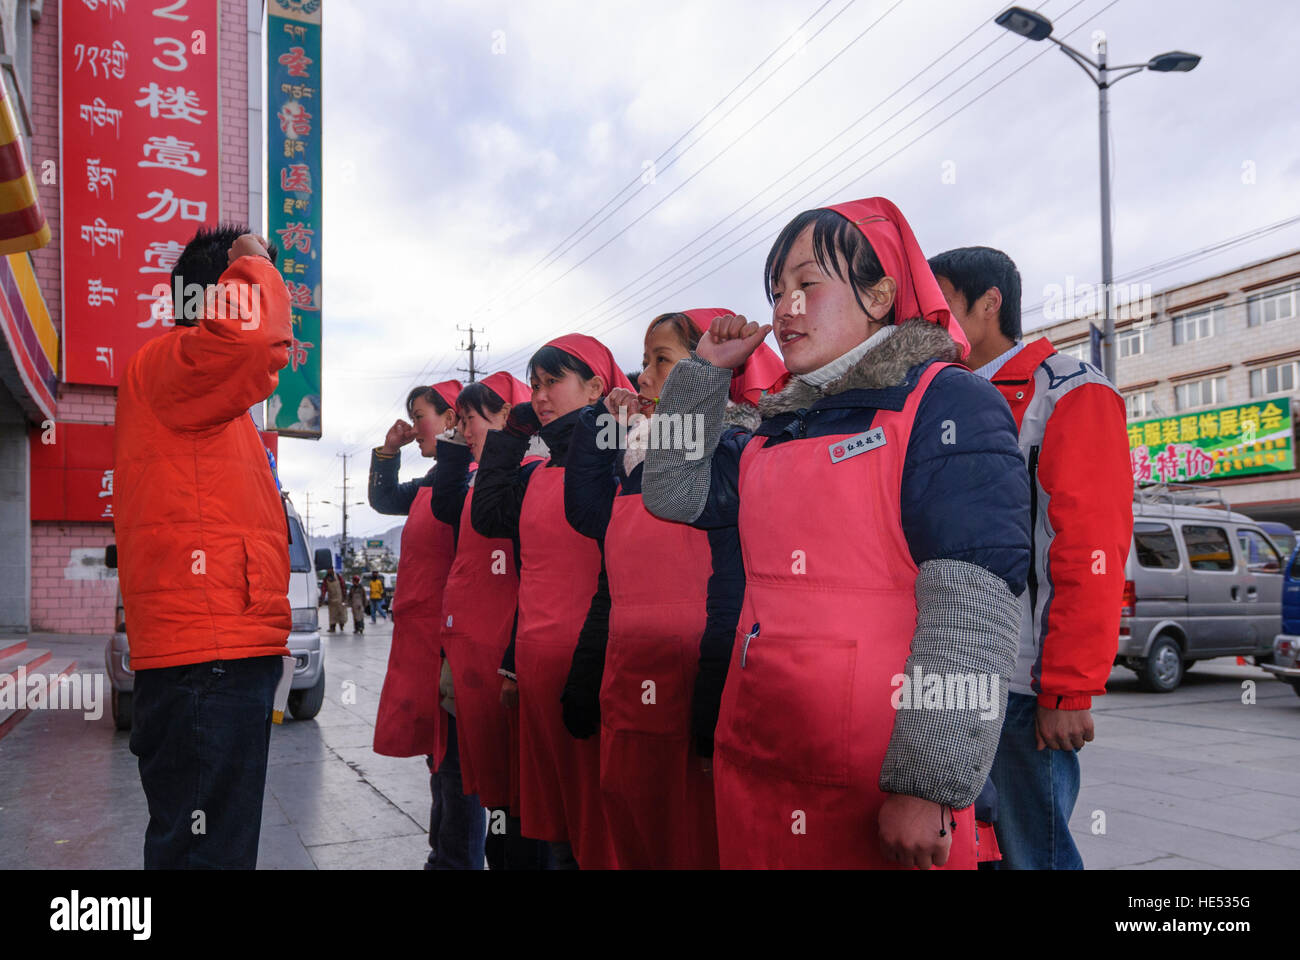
(334, 596)
(357, 601)
(376, 596)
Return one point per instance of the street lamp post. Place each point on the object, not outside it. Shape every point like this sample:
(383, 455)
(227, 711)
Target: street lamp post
(1034, 26)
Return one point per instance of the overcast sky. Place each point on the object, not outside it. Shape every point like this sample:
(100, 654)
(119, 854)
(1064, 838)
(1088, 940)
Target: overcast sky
(468, 144)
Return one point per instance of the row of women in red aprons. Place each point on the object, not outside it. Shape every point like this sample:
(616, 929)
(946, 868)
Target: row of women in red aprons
(588, 640)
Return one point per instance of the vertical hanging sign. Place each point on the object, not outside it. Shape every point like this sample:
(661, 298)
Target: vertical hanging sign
(140, 151)
(293, 174)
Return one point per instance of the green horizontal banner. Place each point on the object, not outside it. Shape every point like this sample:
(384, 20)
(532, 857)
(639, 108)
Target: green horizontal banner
(1249, 438)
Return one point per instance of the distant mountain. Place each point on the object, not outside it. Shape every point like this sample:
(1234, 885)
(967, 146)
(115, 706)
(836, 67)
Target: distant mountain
(392, 538)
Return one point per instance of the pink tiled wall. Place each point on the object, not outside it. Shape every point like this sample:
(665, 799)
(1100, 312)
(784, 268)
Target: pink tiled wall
(59, 603)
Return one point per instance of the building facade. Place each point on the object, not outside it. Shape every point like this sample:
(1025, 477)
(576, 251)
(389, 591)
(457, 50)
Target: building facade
(1199, 350)
(52, 575)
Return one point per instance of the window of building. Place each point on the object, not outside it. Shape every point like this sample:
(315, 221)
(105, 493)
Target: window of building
(1200, 393)
(1198, 325)
(1155, 545)
(1130, 343)
(1080, 351)
(1139, 406)
(1208, 548)
(1271, 306)
(1278, 379)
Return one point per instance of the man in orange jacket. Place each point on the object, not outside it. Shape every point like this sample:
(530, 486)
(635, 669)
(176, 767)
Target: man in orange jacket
(203, 552)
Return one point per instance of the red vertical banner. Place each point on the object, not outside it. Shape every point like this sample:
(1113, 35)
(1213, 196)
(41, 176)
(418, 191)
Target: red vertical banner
(139, 106)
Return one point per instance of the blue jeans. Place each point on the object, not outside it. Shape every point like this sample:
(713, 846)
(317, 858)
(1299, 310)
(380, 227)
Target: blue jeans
(1036, 794)
(202, 732)
(457, 823)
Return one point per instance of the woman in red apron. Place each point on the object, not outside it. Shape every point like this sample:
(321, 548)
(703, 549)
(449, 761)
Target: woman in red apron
(410, 721)
(883, 515)
(675, 596)
(478, 620)
(559, 777)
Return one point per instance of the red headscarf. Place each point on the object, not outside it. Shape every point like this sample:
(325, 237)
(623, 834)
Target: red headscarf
(890, 235)
(595, 355)
(510, 389)
(763, 372)
(449, 390)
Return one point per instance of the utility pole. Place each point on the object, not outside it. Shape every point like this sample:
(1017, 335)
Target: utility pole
(471, 347)
(343, 543)
(307, 518)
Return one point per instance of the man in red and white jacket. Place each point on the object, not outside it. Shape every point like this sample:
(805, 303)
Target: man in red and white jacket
(1072, 434)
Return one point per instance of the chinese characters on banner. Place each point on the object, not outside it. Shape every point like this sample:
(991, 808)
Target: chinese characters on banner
(1227, 442)
(293, 180)
(140, 168)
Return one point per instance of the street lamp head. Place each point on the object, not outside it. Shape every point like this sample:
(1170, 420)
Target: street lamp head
(1174, 62)
(1026, 23)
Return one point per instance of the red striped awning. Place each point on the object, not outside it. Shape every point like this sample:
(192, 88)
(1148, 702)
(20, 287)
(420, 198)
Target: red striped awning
(22, 224)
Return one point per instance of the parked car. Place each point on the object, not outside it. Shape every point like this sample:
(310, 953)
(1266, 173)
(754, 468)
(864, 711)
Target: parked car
(307, 693)
(1286, 645)
(1201, 581)
(1283, 537)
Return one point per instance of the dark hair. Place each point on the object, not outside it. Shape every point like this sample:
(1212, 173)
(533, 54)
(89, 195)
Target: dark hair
(480, 398)
(974, 271)
(687, 330)
(430, 396)
(557, 362)
(203, 261)
(835, 239)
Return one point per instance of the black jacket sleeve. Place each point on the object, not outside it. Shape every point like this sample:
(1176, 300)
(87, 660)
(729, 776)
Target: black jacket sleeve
(387, 496)
(726, 592)
(581, 698)
(450, 483)
(590, 476)
(508, 658)
(499, 486)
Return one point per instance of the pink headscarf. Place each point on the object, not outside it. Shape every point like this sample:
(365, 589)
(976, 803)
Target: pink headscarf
(763, 372)
(890, 235)
(449, 390)
(509, 388)
(595, 355)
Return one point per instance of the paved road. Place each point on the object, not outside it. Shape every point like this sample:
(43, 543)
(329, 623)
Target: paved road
(1194, 779)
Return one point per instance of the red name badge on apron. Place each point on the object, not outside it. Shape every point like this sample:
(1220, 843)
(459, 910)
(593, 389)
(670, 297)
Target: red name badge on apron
(852, 446)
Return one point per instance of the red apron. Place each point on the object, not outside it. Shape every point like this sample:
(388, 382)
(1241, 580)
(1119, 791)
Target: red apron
(559, 776)
(658, 802)
(410, 722)
(806, 713)
(478, 614)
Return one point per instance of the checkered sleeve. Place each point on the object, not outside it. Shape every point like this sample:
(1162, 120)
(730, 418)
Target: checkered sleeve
(952, 698)
(676, 480)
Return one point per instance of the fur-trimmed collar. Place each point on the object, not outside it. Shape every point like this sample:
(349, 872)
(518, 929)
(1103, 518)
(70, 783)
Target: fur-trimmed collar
(884, 366)
(638, 431)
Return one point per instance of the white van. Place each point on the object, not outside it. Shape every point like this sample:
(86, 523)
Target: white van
(308, 691)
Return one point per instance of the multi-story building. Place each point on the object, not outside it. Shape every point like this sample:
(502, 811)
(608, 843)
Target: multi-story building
(1212, 368)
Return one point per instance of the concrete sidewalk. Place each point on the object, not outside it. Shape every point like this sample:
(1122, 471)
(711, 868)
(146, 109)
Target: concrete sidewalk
(1194, 779)
(71, 795)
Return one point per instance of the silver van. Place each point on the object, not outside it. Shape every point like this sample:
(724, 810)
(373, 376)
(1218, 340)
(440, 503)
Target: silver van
(1201, 581)
(307, 693)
